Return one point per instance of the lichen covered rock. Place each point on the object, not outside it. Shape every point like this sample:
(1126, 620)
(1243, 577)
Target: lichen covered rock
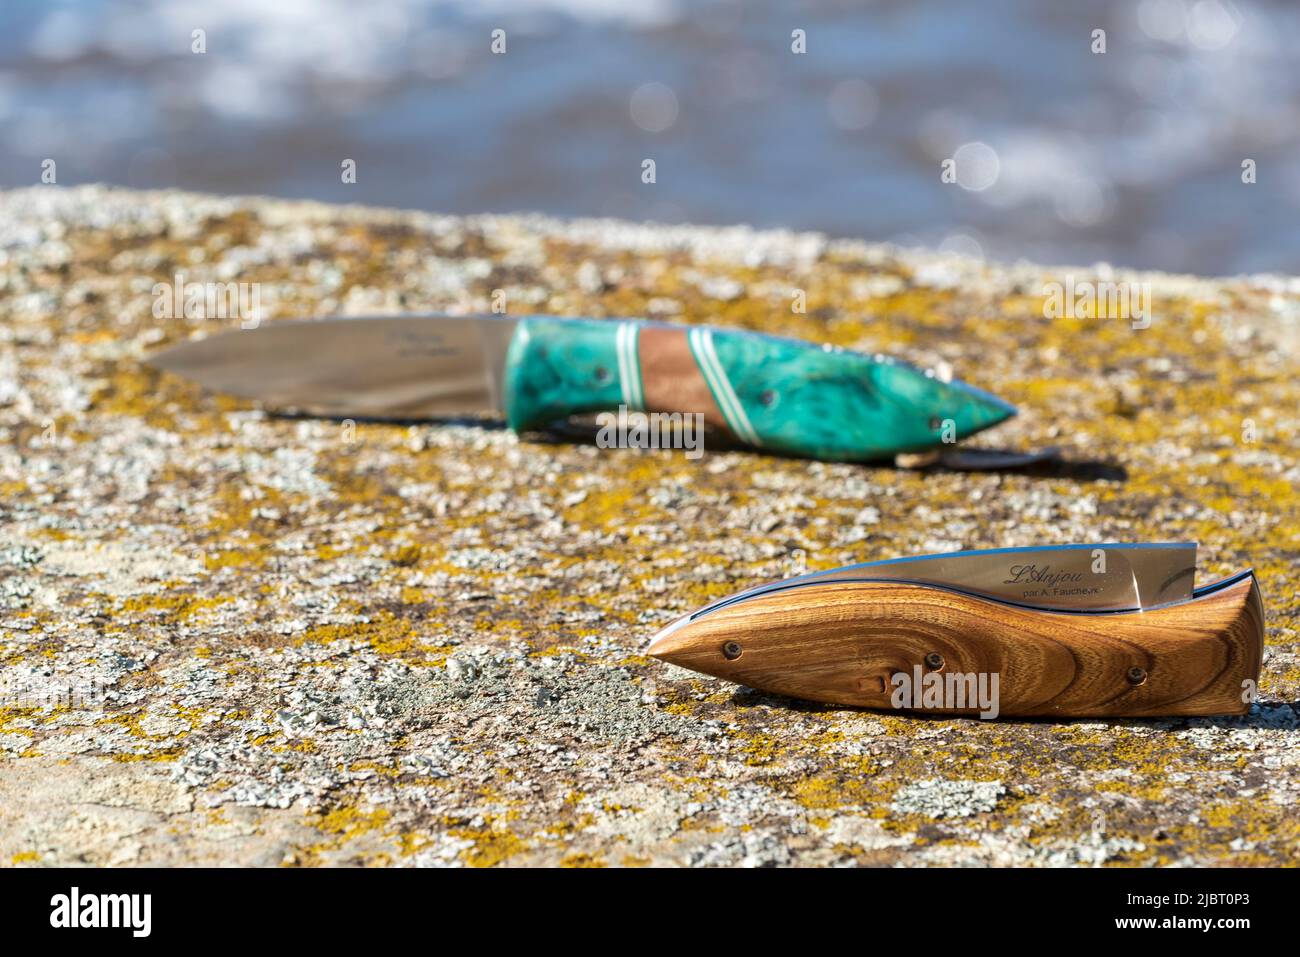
(230, 637)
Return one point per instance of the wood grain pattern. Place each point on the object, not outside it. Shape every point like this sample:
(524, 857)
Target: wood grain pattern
(841, 643)
(673, 382)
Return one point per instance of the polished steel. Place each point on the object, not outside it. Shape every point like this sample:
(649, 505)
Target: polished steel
(1104, 577)
(386, 367)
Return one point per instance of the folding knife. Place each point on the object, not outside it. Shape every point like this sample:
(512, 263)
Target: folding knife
(1077, 630)
(783, 395)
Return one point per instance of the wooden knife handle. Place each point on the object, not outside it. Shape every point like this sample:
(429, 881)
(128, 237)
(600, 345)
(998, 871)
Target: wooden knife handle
(780, 394)
(842, 643)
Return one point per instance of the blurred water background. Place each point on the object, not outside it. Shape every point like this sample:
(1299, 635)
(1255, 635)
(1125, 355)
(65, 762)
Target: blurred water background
(1064, 156)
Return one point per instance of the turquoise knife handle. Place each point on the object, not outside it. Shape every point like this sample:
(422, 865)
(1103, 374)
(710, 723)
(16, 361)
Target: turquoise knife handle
(782, 395)
(556, 368)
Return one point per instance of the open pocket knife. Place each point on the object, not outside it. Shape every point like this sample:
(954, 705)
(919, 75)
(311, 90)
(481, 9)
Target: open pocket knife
(1076, 630)
(783, 395)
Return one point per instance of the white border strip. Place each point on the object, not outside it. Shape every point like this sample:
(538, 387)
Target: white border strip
(701, 342)
(627, 342)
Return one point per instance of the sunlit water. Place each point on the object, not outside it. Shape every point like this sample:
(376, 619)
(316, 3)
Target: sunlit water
(1133, 156)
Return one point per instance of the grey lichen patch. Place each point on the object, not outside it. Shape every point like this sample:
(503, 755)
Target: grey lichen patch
(937, 798)
(232, 637)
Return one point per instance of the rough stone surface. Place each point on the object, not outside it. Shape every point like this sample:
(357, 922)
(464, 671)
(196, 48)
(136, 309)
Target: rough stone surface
(228, 637)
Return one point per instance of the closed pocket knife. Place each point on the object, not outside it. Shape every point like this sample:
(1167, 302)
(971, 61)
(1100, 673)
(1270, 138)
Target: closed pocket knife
(782, 395)
(1079, 630)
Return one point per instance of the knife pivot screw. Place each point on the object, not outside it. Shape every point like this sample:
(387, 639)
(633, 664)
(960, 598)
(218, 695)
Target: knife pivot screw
(1136, 675)
(934, 661)
(731, 650)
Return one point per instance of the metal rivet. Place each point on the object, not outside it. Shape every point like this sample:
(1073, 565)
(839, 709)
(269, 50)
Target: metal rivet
(731, 650)
(1136, 675)
(602, 374)
(934, 661)
(768, 397)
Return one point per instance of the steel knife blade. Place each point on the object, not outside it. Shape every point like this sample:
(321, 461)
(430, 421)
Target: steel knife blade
(1104, 577)
(385, 367)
